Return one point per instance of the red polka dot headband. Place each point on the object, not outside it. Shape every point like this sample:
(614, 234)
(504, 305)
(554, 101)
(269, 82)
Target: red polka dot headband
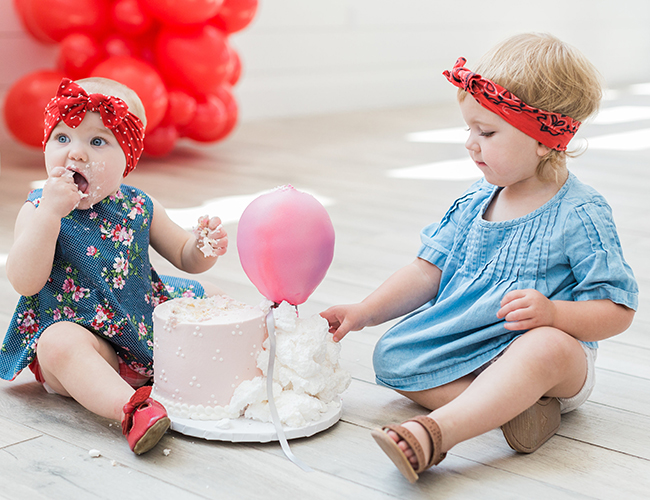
(554, 130)
(70, 105)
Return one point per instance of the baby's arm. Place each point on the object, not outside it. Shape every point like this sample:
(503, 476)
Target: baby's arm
(406, 290)
(181, 247)
(30, 259)
(589, 320)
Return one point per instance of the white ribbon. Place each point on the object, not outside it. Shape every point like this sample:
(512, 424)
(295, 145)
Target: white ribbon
(270, 326)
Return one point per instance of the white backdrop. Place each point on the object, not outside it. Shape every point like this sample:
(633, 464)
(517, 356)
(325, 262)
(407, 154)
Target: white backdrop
(305, 57)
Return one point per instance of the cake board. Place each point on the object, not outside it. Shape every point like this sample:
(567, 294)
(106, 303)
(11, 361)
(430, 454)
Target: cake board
(245, 430)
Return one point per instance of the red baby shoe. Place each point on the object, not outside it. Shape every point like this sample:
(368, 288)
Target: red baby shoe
(145, 421)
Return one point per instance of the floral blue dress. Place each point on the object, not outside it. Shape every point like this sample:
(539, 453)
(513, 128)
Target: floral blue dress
(568, 249)
(101, 279)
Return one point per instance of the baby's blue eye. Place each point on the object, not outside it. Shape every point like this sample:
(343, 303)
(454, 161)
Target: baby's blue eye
(98, 141)
(62, 138)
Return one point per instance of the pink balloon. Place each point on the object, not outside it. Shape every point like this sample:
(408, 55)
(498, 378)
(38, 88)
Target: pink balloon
(285, 241)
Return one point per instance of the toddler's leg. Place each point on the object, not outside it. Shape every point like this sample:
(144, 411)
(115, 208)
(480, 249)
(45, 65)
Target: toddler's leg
(79, 364)
(542, 362)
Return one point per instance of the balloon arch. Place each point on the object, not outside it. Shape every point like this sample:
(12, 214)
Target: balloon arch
(174, 53)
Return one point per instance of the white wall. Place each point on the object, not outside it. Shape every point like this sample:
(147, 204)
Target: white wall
(321, 56)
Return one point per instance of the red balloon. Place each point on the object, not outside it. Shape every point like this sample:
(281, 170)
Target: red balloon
(194, 59)
(141, 78)
(78, 55)
(224, 94)
(182, 11)
(235, 15)
(24, 8)
(130, 18)
(117, 45)
(25, 103)
(161, 140)
(234, 67)
(285, 240)
(182, 108)
(53, 20)
(208, 122)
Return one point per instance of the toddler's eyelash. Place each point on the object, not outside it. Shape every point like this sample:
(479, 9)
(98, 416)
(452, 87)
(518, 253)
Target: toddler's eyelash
(483, 134)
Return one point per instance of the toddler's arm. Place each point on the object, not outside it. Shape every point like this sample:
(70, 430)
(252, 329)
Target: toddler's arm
(188, 251)
(406, 290)
(589, 320)
(29, 263)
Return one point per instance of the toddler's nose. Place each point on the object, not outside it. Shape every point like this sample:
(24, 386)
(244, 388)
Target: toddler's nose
(471, 144)
(77, 155)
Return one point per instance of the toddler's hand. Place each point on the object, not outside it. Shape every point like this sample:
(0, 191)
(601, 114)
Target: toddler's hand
(60, 194)
(343, 319)
(211, 237)
(526, 309)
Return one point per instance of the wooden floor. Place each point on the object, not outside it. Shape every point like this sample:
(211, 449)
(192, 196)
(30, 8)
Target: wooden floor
(601, 451)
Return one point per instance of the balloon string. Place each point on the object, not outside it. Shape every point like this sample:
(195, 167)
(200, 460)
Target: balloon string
(270, 325)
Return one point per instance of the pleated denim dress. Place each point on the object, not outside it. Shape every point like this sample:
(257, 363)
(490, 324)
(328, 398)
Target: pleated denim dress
(568, 249)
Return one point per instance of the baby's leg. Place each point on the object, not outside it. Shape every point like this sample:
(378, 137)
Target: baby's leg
(543, 362)
(79, 364)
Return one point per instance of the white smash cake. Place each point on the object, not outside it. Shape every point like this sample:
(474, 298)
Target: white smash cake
(211, 357)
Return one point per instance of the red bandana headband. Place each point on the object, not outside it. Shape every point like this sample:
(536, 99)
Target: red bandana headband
(72, 102)
(554, 130)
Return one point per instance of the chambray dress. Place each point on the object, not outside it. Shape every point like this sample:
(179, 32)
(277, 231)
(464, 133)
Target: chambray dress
(101, 279)
(568, 249)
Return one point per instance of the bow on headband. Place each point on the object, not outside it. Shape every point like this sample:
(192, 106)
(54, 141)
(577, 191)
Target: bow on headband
(71, 104)
(554, 130)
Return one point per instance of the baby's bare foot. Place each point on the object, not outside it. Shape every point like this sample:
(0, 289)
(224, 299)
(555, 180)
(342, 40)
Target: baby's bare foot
(420, 434)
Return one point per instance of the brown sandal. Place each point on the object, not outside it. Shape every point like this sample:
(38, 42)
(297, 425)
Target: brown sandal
(531, 429)
(394, 452)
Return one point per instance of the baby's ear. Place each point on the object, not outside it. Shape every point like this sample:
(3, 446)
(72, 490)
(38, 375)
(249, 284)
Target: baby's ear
(542, 150)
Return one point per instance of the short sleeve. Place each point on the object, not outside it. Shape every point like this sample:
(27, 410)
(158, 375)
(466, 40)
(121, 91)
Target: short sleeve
(438, 238)
(596, 257)
(34, 197)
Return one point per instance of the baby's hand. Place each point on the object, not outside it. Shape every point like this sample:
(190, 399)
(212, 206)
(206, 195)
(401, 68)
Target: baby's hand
(211, 237)
(343, 319)
(526, 309)
(60, 194)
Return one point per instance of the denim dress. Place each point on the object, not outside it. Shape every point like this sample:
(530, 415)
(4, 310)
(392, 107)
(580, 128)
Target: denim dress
(568, 249)
(101, 279)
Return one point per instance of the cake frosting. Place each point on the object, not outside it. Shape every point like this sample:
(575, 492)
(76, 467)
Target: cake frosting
(203, 349)
(307, 379)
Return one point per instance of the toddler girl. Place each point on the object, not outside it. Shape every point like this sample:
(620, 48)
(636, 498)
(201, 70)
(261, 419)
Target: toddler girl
(80, 261)
(511, 290)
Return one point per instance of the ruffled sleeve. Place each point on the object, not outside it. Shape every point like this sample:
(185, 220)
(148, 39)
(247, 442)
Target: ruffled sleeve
(34, 197)
(596, 257)
(438, 238)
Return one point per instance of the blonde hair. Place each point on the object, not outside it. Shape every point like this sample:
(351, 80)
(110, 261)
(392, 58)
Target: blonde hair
(548, 74)
(97, 85)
